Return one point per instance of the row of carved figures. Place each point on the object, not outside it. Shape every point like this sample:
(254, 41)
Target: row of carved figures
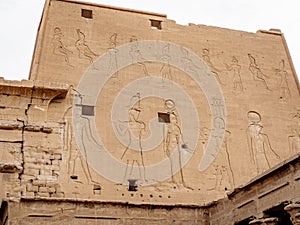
(85, 52)
(261, 151)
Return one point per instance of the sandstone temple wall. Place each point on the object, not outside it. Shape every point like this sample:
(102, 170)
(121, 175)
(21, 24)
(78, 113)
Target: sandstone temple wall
(128, 107)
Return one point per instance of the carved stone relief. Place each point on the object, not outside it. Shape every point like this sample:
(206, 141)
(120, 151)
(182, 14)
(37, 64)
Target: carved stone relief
(173, 141)
(206, 58)
(84, 51)
(113, 51)
(136, 54)
(59, 47)
(165, 70)
(222, 168)
(294, 137)
(258, 75)
(258, 143)
(128, 118)
(235, 69)
(284, 89)
(136, 127)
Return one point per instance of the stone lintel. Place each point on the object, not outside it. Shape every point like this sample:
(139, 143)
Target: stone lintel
(26, 87)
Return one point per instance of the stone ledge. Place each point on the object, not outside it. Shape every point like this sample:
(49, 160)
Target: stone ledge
(99, 201)
(14, 86)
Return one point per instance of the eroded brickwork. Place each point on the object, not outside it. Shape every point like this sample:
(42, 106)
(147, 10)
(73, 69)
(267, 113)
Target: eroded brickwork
(31, 150)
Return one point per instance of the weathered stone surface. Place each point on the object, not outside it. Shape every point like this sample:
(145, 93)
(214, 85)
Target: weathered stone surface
(11, 125)
(88, 213)
(11, 136)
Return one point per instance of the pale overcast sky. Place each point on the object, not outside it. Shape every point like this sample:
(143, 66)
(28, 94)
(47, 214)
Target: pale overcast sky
(19, 21)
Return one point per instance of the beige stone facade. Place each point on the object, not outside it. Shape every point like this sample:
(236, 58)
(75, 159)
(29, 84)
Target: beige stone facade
(129, 117)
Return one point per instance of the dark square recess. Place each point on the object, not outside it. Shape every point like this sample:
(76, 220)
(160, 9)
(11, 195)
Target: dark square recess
(86, 13)
(163, 117)
(156, 24)
(88, 110)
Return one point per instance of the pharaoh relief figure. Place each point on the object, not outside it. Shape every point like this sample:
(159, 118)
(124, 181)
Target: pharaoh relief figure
(294, 137)
(236, 76)
(258, 75)
(133, 156)
(136, 54)
(283, 86)
(113, 51)
(59, 47)
(222, 169)
(173, 141)
(214, 70)
(84, 50)
(259, 144)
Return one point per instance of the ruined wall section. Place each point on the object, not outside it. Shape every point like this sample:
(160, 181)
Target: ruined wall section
(31, 149)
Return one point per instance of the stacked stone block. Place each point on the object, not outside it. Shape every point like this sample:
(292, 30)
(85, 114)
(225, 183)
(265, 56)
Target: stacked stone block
(41, 162)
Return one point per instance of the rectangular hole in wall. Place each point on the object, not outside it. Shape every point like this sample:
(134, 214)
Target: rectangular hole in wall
(88, 110)
(163, 117)
(86, 13)
(156, 24)
(132, 185)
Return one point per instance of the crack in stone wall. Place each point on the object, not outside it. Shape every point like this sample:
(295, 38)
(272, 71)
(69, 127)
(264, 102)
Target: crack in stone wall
(30, 154)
